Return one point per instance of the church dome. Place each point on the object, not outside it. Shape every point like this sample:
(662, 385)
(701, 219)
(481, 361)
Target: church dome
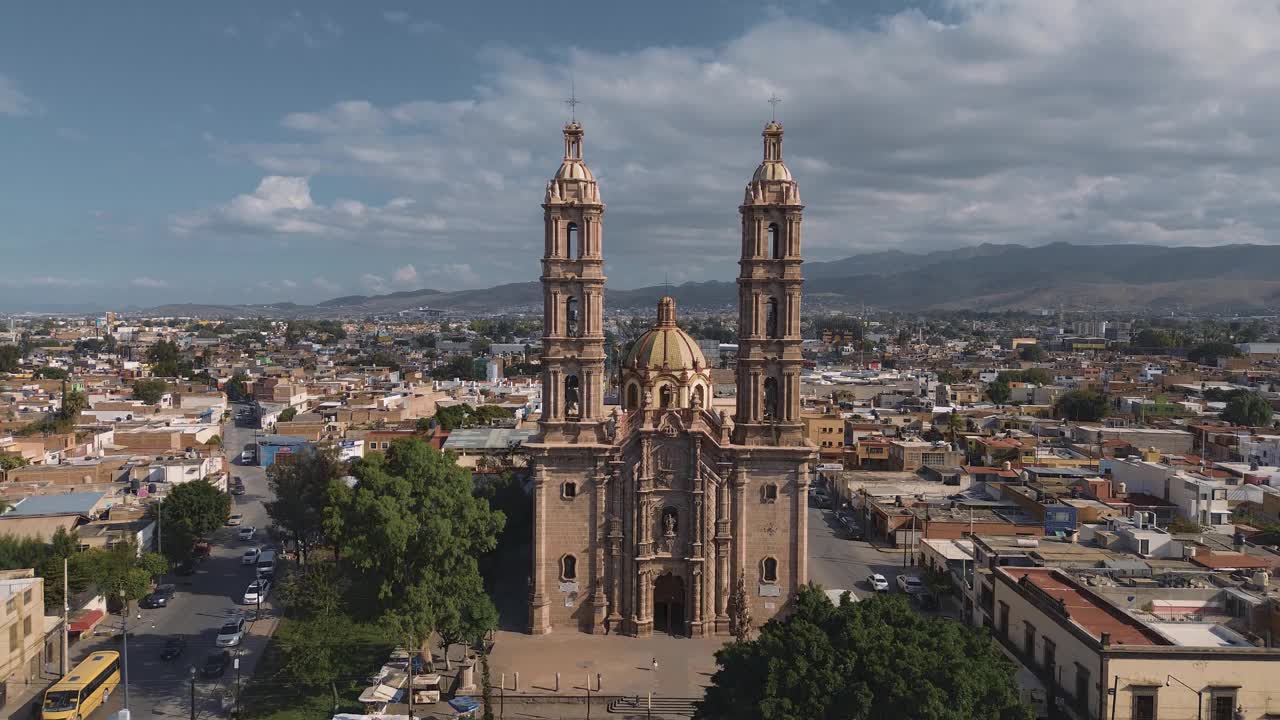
(665, 346)
(772, 169)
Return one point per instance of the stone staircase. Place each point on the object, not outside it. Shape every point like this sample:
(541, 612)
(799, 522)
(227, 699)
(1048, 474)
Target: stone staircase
(662, 707)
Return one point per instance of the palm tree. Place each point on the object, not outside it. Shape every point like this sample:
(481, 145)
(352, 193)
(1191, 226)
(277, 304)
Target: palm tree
(954, 425)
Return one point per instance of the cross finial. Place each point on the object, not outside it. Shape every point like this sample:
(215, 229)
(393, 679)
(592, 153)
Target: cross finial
(573, 102)
(774, 100)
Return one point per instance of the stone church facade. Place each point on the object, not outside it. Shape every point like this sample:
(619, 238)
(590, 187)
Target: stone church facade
(645, 518)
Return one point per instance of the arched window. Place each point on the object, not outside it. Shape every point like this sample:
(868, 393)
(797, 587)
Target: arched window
(572, 245)
(699, 396)
(775, 241)
(666, 396)
(769, 570)
(771, 318)
(771, 399)
(571, 316)
(568, 568)
(572, 409)
(633, 396)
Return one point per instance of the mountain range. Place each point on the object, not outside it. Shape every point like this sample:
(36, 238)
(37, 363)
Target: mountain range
(1229, 278)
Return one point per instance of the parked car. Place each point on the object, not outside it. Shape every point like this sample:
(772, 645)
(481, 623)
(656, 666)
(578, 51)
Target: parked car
(173, 647)
(246, 533)
(246, 457)
(910, 584)
(216, 664)
(237, 490)
(231, 633)
(235, 519)
(250, 556)
(878, 582)
(159, 597)
(257, 592)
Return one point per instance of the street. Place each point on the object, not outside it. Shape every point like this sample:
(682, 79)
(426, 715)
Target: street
(159, 688)
(837, 563)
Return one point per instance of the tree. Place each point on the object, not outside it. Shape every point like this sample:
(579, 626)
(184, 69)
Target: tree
(288, 414)
(73, 402)
(314, 596)
(1032, 353)
(49, 372)
(120, 574)
(1209, 352)
(62, 546)
(9, 462)
(955, 425)
(453, 416)
(191, 511)
(236, 389)
(149, 391)
(300, 485)
(739, 610)
(1248, 409)
(998, 392)
(164, 357)
(1153, 339)
(413, 532)
(10, 358)
(861, 661)
(1082, 406)
(486, 687)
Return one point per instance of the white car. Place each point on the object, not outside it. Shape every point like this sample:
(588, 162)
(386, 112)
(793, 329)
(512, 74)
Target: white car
(257, 592)
(250, 556)
(246, 533)
(246, 457)
(235, 519)
(878, 582)
(231, 633)
(910, 584)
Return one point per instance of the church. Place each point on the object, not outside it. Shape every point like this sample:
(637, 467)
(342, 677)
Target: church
(647, 517)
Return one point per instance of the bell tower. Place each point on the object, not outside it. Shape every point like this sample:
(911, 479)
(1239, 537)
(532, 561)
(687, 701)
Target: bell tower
(769, 289)
(573, 369)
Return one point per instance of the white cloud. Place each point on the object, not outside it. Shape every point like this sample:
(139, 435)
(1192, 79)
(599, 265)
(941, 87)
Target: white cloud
(405, 275)
(149, 283)
(1137, 121)
(374, 283)
(325, 284)
(13, 101)
(282, 205)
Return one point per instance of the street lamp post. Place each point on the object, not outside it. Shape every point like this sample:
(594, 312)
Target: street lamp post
(1199, 694)
(193, 692)
(124, 639)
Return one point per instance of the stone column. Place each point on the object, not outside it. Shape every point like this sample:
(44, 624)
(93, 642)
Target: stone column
(539, 610)
(801, 544)
(739, 531)
(599, 541)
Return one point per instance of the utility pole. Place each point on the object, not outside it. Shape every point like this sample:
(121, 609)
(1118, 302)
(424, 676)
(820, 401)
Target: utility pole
(66, 619)
(124, 638)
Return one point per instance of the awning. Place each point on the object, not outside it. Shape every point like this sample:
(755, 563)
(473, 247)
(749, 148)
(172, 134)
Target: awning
(85, 621)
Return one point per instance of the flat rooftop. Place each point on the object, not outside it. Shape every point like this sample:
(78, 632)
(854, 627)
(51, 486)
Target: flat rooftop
(1192, 634)
(1092, 614)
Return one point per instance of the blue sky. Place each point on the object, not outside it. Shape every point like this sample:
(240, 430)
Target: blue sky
(253, 152)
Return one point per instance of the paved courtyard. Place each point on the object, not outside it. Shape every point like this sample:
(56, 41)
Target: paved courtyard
(625, 664)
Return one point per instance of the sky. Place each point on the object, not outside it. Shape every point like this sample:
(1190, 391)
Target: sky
(155, 152)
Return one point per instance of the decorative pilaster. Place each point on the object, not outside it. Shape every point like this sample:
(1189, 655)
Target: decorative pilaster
(539, 611)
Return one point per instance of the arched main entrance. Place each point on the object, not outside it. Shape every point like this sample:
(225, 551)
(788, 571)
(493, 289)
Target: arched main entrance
(668, 604)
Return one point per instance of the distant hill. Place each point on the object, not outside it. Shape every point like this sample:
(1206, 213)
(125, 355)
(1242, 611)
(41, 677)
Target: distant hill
(988, 277)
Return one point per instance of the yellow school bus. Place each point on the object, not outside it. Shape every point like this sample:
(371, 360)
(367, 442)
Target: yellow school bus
(87, 686)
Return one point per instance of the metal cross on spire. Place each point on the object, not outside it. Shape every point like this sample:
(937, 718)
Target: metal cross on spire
(573, 102)
(774, 100)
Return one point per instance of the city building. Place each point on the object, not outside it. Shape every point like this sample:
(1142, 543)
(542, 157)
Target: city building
(646, 516)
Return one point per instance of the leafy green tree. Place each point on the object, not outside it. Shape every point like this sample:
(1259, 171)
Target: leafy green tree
(164, 358)
(1153, 339)
(1032, 353)
(955, 425)
(288, 414)
(235, 387)
(314, 595)
(49, 372)
(191, 511)
(120, 573)
(149, 391)
(73, 402)
(299, 484)
(998, 392)
(1248, 409)
(452, 416)
(1082, 406)
(1209, 352)
(862, 661)
(413, 532)
(62, 546)
(10, 358)
(9, 462)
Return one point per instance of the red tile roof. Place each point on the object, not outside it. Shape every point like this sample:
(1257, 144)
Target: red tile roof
(1093, 615)
(1230, 560)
